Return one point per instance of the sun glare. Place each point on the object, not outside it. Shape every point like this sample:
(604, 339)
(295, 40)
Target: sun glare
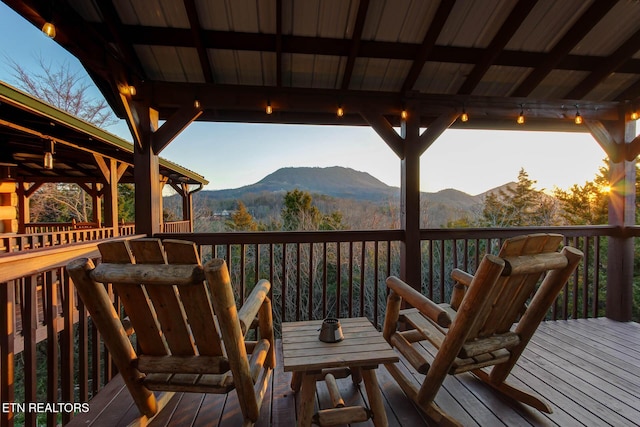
(606, 189)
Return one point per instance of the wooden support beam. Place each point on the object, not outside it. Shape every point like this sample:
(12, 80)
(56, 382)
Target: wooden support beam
(279, 43)
(606, 67)
(435, 129)
(633, 149)
(511, 24)
(410, 249)
(622, 213)
(429, 41)
(196, 34)
(572, 37)
(135, 118)
(605, 139)
(174, 125)
(356, 35)
(384, 129)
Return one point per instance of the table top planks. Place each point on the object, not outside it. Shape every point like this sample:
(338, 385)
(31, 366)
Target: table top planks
(362, 346)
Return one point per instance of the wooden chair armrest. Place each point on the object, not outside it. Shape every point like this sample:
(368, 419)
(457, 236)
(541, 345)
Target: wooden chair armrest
(461, 277)
(419, 301)
(463, 281)
(249, 309)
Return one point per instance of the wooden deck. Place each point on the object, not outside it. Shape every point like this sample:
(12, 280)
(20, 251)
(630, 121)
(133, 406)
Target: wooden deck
(588, 369)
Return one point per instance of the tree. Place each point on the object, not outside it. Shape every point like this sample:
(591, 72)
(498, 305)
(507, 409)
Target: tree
(241, 219)
(520, 204)
(299, 212)
(65, 89)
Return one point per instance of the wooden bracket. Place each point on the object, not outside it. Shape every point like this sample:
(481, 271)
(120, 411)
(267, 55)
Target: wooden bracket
(173, 126)
(386, 132)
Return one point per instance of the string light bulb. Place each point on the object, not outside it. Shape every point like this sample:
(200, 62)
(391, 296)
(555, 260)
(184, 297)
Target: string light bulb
(269, 109)
(464, 117)
(634, 115)
(404, 114)
(520, 119)
(197, 104)
(340, 111)
(49, 30)
(578, 118)
(48, 157)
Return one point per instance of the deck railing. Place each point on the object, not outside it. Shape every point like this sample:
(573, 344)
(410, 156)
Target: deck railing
(49, 236)
(314, 275)
(176, 227)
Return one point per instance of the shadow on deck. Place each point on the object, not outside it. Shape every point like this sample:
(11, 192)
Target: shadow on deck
(588, 369)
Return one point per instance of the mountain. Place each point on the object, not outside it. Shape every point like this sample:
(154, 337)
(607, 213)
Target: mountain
(356, 194)
(336, 181)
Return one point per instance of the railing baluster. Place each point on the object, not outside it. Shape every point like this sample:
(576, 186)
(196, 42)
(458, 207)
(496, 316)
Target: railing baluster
(596, 277)
(66, 346)
(29, 357)
(338, 279)
(311, 287)
(51, 283)
(363, 292)
(324, 279)
(7, 339)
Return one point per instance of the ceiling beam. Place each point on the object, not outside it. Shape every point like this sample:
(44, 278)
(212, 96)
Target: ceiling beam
(356, 36)
(114, 26)
(279, 43)
(572, 37)
(509, 27)
(196, 34)
(607, 66)
(429, 41)
(157, 36)
(168, 97)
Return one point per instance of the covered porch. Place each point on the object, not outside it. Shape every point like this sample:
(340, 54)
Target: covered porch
(588, 368)
(421, 67)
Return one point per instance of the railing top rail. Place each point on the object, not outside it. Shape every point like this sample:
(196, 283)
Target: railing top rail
(499, 233)
(266, 237)
(14, 265)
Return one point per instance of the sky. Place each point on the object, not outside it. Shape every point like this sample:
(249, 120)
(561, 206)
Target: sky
(231, 155)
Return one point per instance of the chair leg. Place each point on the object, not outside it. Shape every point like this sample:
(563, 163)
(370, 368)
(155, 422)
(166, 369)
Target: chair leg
(515, 393)
(431, 410)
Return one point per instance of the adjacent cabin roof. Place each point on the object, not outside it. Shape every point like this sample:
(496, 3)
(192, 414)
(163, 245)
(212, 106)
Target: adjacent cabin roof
(27, 127)
(492, 58)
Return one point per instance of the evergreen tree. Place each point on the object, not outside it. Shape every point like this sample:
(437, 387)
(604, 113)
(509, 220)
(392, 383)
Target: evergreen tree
(518, 205)
(241, 219)
(299, 212)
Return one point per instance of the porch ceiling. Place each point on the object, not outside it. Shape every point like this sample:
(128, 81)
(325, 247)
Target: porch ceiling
(27, 127)
(491, 57)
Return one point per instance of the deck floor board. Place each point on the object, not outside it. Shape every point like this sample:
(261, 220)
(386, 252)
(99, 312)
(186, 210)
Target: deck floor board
(588, 369)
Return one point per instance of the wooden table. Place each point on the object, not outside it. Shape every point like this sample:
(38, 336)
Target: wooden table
(310, 360)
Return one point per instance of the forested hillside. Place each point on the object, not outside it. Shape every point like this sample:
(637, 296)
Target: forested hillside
(363, 201)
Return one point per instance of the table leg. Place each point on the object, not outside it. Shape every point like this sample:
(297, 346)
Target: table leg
(375, 398)
(307, 398)
(296, 381)
(356, 374)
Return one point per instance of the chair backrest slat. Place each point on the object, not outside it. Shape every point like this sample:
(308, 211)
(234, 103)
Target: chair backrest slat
(135, 301)
(165, 300)
(512, 291)
(196, 300)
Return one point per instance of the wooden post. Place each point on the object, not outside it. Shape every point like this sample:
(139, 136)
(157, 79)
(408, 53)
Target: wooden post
(621, 214)
(410, 253)
(146, 174)
(110, 194)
